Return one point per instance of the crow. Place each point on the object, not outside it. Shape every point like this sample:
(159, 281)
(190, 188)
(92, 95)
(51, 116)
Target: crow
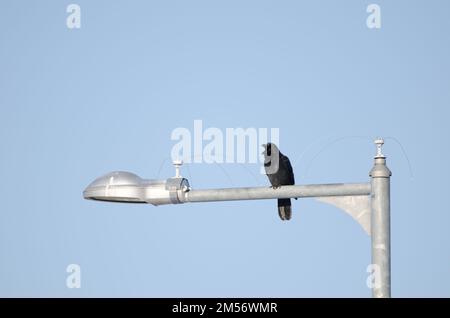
(279, 171)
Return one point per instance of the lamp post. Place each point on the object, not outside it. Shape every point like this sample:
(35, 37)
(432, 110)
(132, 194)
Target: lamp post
(368, 203)
(381, 224)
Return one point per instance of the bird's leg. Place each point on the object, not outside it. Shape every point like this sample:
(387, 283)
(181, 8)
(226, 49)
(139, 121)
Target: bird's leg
(276, 187)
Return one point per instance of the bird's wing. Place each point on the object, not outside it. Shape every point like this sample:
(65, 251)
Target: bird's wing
(287, 164)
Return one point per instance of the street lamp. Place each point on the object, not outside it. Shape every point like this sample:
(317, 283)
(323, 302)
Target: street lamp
(368, 203)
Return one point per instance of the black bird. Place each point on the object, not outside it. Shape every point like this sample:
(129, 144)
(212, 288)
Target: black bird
(279, 171)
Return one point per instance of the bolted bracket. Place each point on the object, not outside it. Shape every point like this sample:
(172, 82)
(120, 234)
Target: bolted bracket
(176, 184)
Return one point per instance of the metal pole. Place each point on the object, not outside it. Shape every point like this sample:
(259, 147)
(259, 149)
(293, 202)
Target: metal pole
(380, 225)
(259, 193)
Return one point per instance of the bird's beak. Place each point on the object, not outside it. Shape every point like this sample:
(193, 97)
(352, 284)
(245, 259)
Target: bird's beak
(265, 147)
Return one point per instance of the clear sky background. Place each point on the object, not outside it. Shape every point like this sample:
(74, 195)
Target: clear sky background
(75, 104)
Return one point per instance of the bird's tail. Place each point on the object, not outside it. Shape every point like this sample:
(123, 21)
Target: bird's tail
(284, 209)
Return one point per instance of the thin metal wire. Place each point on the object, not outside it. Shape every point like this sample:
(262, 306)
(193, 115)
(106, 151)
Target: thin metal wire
(326, 146)
(411, 174)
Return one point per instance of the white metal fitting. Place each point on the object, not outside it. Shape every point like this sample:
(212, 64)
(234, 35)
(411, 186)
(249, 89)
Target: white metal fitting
(379, 142)
(177, 164)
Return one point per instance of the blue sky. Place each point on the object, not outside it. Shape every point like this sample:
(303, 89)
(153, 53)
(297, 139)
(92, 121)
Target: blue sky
(78, 103)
